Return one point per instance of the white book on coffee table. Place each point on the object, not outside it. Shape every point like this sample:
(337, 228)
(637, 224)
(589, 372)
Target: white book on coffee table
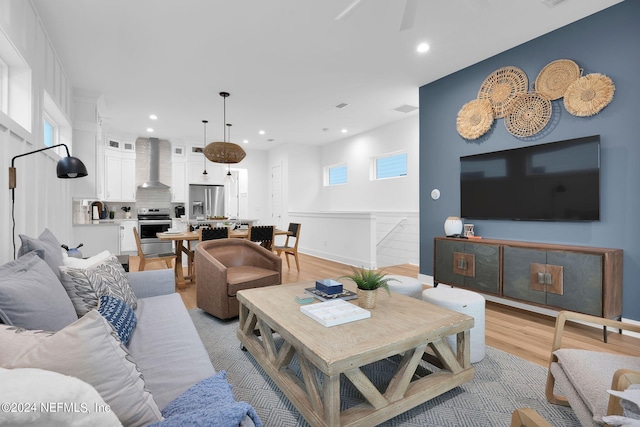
(335, 312)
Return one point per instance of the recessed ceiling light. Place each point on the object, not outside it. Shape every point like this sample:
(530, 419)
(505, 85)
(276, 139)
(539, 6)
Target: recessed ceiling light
(245, 141)
(149, 129)
(261, 132)
(343, 131)
(153, 117)
(423, 47)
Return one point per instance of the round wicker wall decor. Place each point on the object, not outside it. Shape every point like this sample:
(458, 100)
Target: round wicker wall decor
(474, 118)
(554, 79)
(529, 114)
(501, 87)
(588, 95)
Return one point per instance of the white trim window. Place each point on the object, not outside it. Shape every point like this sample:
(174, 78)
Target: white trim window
(335, 175)
(50, 131)
(56, 128)
(391, 165)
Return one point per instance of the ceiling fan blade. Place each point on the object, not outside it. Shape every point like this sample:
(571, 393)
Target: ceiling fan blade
(409, 14)
(347, 10)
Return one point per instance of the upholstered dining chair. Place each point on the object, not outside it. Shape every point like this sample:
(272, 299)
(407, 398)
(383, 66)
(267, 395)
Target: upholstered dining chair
(289, 249)
(145, 259)
(263, 234)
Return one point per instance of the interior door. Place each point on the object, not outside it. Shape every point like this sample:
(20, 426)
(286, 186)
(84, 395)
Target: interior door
(276, 195)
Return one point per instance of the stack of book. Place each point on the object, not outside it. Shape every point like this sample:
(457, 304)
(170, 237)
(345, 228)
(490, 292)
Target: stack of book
(328, 290)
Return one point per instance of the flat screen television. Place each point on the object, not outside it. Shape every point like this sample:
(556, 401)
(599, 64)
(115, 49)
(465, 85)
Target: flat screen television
(558, 181)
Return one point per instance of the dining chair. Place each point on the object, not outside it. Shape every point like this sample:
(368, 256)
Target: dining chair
(294, 230)
(167, 258)
(262, 234)
(212, 233)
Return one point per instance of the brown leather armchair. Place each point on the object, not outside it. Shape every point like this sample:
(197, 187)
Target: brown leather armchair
(226, 266)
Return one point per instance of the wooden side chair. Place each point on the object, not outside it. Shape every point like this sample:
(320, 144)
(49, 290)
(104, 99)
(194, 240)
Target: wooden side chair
(289, 249)
(167, 258)
(263, 234)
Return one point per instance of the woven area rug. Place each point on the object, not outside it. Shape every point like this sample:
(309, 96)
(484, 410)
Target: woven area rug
(502, 383)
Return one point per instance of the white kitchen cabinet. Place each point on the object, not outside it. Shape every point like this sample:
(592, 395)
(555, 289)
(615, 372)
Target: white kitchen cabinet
(127, 239)
(120, 176)
(178, 182)
(129, 179)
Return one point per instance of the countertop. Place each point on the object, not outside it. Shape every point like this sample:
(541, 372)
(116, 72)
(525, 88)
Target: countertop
(106, 222)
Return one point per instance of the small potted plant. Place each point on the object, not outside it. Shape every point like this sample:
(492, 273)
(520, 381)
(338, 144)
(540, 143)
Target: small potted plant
(126, 210)
(368, 282)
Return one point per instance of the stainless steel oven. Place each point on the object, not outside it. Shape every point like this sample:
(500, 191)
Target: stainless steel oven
(152, 221)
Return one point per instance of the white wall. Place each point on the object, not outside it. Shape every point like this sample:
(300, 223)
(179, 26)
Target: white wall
(362, 194)
(42, 200)
(364, 222)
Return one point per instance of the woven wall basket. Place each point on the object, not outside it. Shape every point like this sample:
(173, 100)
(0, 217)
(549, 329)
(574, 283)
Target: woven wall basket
(554, 79)
(501, 87)
(474, 118)
(529, 114)
(588, 95)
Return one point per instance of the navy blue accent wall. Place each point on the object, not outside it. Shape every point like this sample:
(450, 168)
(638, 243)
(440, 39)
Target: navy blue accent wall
(608, 43)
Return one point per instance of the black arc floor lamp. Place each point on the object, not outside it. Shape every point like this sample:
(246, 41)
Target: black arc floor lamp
(68, 167)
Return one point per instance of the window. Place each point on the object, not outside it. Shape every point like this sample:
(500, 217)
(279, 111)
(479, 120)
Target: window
(389, 166)
(56, 127)
(335, 175)
(50, 132)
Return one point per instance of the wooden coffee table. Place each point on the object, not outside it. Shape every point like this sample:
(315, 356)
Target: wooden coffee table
(399, 325)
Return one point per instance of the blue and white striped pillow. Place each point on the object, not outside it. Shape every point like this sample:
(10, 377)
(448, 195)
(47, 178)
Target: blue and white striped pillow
(119, 315)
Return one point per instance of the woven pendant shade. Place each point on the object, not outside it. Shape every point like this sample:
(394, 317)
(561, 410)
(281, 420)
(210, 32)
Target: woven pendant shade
(224, 152)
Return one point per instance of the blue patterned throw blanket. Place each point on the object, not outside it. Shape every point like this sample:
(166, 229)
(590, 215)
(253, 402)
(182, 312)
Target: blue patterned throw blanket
(208, 403)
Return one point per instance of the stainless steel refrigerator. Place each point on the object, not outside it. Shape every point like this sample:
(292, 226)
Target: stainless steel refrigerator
(206, 201)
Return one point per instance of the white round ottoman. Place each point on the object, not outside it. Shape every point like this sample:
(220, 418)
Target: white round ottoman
(466, 302)
(405, 285)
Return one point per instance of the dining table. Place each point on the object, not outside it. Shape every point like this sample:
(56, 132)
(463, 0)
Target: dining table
(182, 237)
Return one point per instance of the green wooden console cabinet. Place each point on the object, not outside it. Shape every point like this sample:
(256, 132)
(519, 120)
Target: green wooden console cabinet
(560, 277)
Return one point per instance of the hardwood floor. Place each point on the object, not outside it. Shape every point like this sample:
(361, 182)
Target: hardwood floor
(522, 333)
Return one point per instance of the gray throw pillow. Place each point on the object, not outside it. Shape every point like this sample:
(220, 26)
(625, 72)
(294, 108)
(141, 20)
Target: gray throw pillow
(47, 246)
(31, 297)
(85, 286)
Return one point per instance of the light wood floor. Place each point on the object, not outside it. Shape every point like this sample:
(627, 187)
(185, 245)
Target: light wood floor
(522, 333)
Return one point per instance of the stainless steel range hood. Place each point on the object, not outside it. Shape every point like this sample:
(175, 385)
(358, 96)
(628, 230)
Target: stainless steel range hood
(154, 167)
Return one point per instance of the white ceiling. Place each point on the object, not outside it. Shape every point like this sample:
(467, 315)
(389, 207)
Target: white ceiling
(286, 63)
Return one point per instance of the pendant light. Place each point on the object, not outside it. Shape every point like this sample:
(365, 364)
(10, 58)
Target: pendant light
(204, 123)
(224, 152)
(229, 177)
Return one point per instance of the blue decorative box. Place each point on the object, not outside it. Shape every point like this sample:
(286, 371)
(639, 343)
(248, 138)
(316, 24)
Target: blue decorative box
(329, 286)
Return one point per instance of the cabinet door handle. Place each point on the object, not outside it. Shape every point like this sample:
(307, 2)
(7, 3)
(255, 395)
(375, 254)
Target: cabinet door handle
(547, 279)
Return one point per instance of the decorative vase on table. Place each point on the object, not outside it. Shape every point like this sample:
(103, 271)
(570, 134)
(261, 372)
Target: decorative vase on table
(453, 226)
(368, 282)
(367, 298)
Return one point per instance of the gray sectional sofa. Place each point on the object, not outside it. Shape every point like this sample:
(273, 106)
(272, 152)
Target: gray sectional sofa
(138, 380)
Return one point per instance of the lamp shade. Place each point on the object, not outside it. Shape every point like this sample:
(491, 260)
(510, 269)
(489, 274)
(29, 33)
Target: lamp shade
(224, 152)
(71, 167)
